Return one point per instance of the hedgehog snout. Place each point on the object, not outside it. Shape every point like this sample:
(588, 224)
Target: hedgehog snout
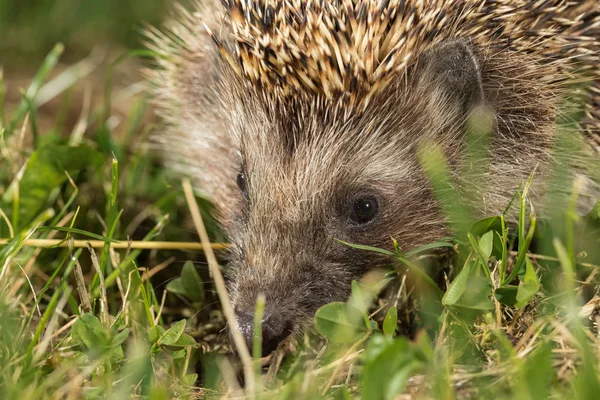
(275, 329)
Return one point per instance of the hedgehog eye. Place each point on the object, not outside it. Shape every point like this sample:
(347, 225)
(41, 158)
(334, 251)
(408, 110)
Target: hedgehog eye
(241, 182)
(364, 210)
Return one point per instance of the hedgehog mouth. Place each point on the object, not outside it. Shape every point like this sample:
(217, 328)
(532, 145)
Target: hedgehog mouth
(269, 346)
(271, 339)
(271, 362)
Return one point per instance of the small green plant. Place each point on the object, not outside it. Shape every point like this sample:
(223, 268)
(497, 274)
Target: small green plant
(189, 285)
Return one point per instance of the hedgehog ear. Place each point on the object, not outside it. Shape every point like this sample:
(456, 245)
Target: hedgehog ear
(449, 76)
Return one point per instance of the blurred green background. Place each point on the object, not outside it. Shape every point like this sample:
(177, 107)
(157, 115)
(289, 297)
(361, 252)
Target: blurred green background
(30, 28)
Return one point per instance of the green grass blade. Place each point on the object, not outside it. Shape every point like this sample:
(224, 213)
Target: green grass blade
(47, 66)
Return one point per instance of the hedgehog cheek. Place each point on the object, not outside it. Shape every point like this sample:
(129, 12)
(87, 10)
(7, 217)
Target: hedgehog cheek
(448, 78)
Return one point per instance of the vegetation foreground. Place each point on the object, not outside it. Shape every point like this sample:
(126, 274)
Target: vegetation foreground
(96, 304)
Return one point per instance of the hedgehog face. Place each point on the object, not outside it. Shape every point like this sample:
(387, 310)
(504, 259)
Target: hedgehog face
(311, 173)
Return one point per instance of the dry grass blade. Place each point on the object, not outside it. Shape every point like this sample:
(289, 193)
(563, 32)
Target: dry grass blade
(221, 290)
(84, 296)
(3, 215)
(103, 296)
(48, 243)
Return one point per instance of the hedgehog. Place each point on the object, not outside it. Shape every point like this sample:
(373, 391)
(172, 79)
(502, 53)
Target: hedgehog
(305, 123)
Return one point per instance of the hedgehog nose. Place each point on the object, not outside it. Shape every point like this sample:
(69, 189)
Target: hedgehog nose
(274, 330)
